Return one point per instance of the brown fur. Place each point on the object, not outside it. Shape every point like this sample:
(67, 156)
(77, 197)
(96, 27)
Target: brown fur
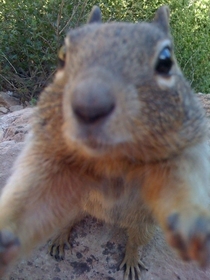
(114, 138)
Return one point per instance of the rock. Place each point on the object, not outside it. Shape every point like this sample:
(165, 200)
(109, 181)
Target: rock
(1, 134)
(8, 99)
(3, 110)
(15, 108)
(97, 248)
(9, 103)
(8, 153)
(15, 125)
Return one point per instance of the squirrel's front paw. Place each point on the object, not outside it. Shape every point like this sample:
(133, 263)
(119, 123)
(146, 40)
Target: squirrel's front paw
(9, 247)
(132, 267)
(190, 236)
(57, 246)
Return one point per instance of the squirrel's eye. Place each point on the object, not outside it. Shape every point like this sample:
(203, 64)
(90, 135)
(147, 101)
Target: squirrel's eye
(164, 62)
(62, 56)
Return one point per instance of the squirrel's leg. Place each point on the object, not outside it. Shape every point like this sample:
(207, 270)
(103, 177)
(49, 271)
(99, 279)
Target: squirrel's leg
(62, 239)
(138, 236)
(178, 193)
(34, 203)
(9, 248)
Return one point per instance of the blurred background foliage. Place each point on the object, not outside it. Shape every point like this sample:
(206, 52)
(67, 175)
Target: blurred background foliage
(31, 32)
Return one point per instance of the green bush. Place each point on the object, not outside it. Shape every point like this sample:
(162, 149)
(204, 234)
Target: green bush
(31, 33)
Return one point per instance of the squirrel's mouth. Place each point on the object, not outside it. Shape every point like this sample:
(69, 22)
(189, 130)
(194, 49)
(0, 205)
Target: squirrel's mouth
(95, 148)
(95, 142)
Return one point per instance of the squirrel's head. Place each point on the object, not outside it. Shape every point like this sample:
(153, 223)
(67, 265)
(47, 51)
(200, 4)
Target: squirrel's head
(123, 92)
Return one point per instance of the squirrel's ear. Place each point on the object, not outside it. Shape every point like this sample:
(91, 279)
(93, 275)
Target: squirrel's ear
(95, 15)
(162, 18)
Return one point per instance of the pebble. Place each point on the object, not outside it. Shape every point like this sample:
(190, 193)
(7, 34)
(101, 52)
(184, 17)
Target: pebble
(3, 110)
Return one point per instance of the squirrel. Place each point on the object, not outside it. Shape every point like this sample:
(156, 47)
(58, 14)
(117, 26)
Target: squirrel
(120, 135)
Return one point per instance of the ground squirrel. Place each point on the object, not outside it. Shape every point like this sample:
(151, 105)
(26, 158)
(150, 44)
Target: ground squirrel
(118, 135)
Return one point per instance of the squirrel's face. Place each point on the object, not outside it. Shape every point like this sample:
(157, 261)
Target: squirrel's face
(124, 93)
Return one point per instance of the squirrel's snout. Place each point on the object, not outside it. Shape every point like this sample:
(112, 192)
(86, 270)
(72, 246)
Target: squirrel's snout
(92, 101)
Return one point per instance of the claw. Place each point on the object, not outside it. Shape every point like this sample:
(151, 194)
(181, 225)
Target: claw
(58, 245)
(190, 236)
(132, 268)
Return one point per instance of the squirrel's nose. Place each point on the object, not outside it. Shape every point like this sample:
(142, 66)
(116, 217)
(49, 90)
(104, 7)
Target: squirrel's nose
(92, 101)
